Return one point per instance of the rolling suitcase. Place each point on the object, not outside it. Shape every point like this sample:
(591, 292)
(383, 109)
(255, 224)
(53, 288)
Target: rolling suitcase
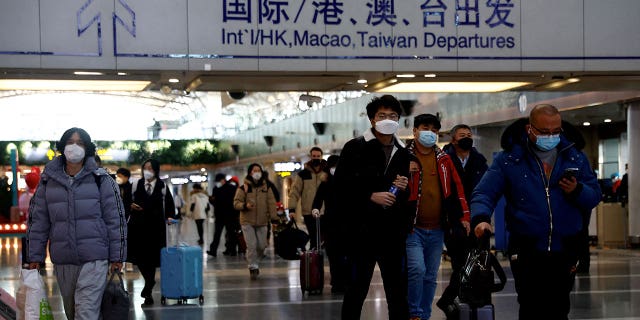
(485, 312)
(180, 271)
(312, 268)
(477, 282)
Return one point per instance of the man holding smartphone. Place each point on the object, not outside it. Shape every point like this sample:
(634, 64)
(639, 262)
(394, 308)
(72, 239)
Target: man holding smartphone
(548, 185)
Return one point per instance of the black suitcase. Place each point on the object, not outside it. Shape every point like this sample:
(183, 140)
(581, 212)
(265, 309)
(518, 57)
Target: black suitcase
(480, 313)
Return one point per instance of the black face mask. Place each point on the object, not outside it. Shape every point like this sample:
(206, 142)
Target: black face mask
(315, 162)
(465, 143)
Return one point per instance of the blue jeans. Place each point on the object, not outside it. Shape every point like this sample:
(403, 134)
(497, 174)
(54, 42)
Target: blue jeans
(424, 251)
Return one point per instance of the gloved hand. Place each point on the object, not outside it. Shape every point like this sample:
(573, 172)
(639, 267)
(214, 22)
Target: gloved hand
(315, 213)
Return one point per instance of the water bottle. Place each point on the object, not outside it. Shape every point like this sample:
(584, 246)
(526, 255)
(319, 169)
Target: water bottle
(393, 189)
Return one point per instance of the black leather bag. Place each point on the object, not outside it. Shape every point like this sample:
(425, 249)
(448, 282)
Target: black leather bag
(477, 277)
(115, 301)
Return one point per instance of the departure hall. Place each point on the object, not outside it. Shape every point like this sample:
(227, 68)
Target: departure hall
(210, 87)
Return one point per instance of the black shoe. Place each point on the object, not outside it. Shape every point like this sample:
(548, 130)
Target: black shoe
(253, 273)
(200, 242)
(148, 301)
(211, 254)
(450, 309)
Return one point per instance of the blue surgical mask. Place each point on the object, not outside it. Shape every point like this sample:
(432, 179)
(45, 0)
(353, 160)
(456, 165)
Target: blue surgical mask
(427, 138)
(547, 142)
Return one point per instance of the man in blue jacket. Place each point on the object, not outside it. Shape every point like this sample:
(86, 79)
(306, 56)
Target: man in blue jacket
(545, 205)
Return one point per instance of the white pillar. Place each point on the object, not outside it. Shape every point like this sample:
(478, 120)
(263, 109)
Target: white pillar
(633, 140)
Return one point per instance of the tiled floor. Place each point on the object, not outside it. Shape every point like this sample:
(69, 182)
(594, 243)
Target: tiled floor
(610, 291)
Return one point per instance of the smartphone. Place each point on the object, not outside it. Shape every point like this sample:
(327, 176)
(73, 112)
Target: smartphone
(570, 172)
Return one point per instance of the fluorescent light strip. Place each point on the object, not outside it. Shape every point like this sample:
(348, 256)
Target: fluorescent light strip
(88, 73)
(452, 86)
(73, 85)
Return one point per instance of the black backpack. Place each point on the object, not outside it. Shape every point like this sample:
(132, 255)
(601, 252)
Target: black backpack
(477, 277)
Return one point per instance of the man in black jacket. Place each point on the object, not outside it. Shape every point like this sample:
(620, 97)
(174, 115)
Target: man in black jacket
(471, 166)
(222, 200)
(376, 218)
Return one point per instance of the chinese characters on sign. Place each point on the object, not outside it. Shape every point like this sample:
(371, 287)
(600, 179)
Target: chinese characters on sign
(281, 23)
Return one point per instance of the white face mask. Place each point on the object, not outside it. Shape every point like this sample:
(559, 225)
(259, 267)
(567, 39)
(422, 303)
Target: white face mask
(119, 180)
(218, 184)
(387, 126)
(256, 176)
(74, 153)
(332, 170)
(148, 175)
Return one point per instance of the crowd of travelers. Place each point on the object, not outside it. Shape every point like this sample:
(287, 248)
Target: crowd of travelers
(398, 204)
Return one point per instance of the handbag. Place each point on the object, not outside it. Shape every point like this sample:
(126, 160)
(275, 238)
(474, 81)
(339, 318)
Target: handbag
(477, 277)
(115, 301)
(289, 242)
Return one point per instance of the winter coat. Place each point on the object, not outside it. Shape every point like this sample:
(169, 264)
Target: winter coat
(538, 214)
(261, 195)
(454, 203)
(82, 218)
(304, 187)
(361, 171)
(199, 208)
(222, 200)
(472, 172)
(147, 228)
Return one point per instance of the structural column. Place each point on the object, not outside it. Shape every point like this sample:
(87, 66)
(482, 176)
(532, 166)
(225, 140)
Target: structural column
(633, 140)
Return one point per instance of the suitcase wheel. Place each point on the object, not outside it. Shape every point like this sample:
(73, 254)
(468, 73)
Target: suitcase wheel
(163, 300)
(201, 300)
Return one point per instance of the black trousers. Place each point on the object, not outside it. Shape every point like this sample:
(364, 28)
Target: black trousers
(310, 222)
(394, 278)
(543, 282)
(337, 255)
(148, 272)
(199, 226)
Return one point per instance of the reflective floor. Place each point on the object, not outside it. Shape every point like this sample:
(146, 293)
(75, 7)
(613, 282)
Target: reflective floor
(610, 291)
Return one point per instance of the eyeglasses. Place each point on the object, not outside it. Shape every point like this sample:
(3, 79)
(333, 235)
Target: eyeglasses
(391, 116)
(547, 132)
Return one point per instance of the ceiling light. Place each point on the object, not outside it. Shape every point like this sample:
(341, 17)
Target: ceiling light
(452, 86)
(607, 120)
(88, 73)
(173, 80)
(407, 75)
(430, 75)
(122, 73)
(73, 85)
(586, 123)
(362, 81)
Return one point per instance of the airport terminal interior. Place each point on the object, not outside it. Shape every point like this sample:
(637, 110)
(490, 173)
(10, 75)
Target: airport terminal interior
(210, 87)
(609, 291)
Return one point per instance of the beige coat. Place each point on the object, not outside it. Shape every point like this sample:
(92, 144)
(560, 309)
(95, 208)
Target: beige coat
(201, 200)
(264, 200)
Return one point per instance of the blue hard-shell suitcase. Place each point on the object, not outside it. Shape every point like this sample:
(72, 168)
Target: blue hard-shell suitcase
(181, 274)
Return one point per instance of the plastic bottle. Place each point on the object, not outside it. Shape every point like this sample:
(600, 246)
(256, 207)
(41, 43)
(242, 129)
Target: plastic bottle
(393, 189)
